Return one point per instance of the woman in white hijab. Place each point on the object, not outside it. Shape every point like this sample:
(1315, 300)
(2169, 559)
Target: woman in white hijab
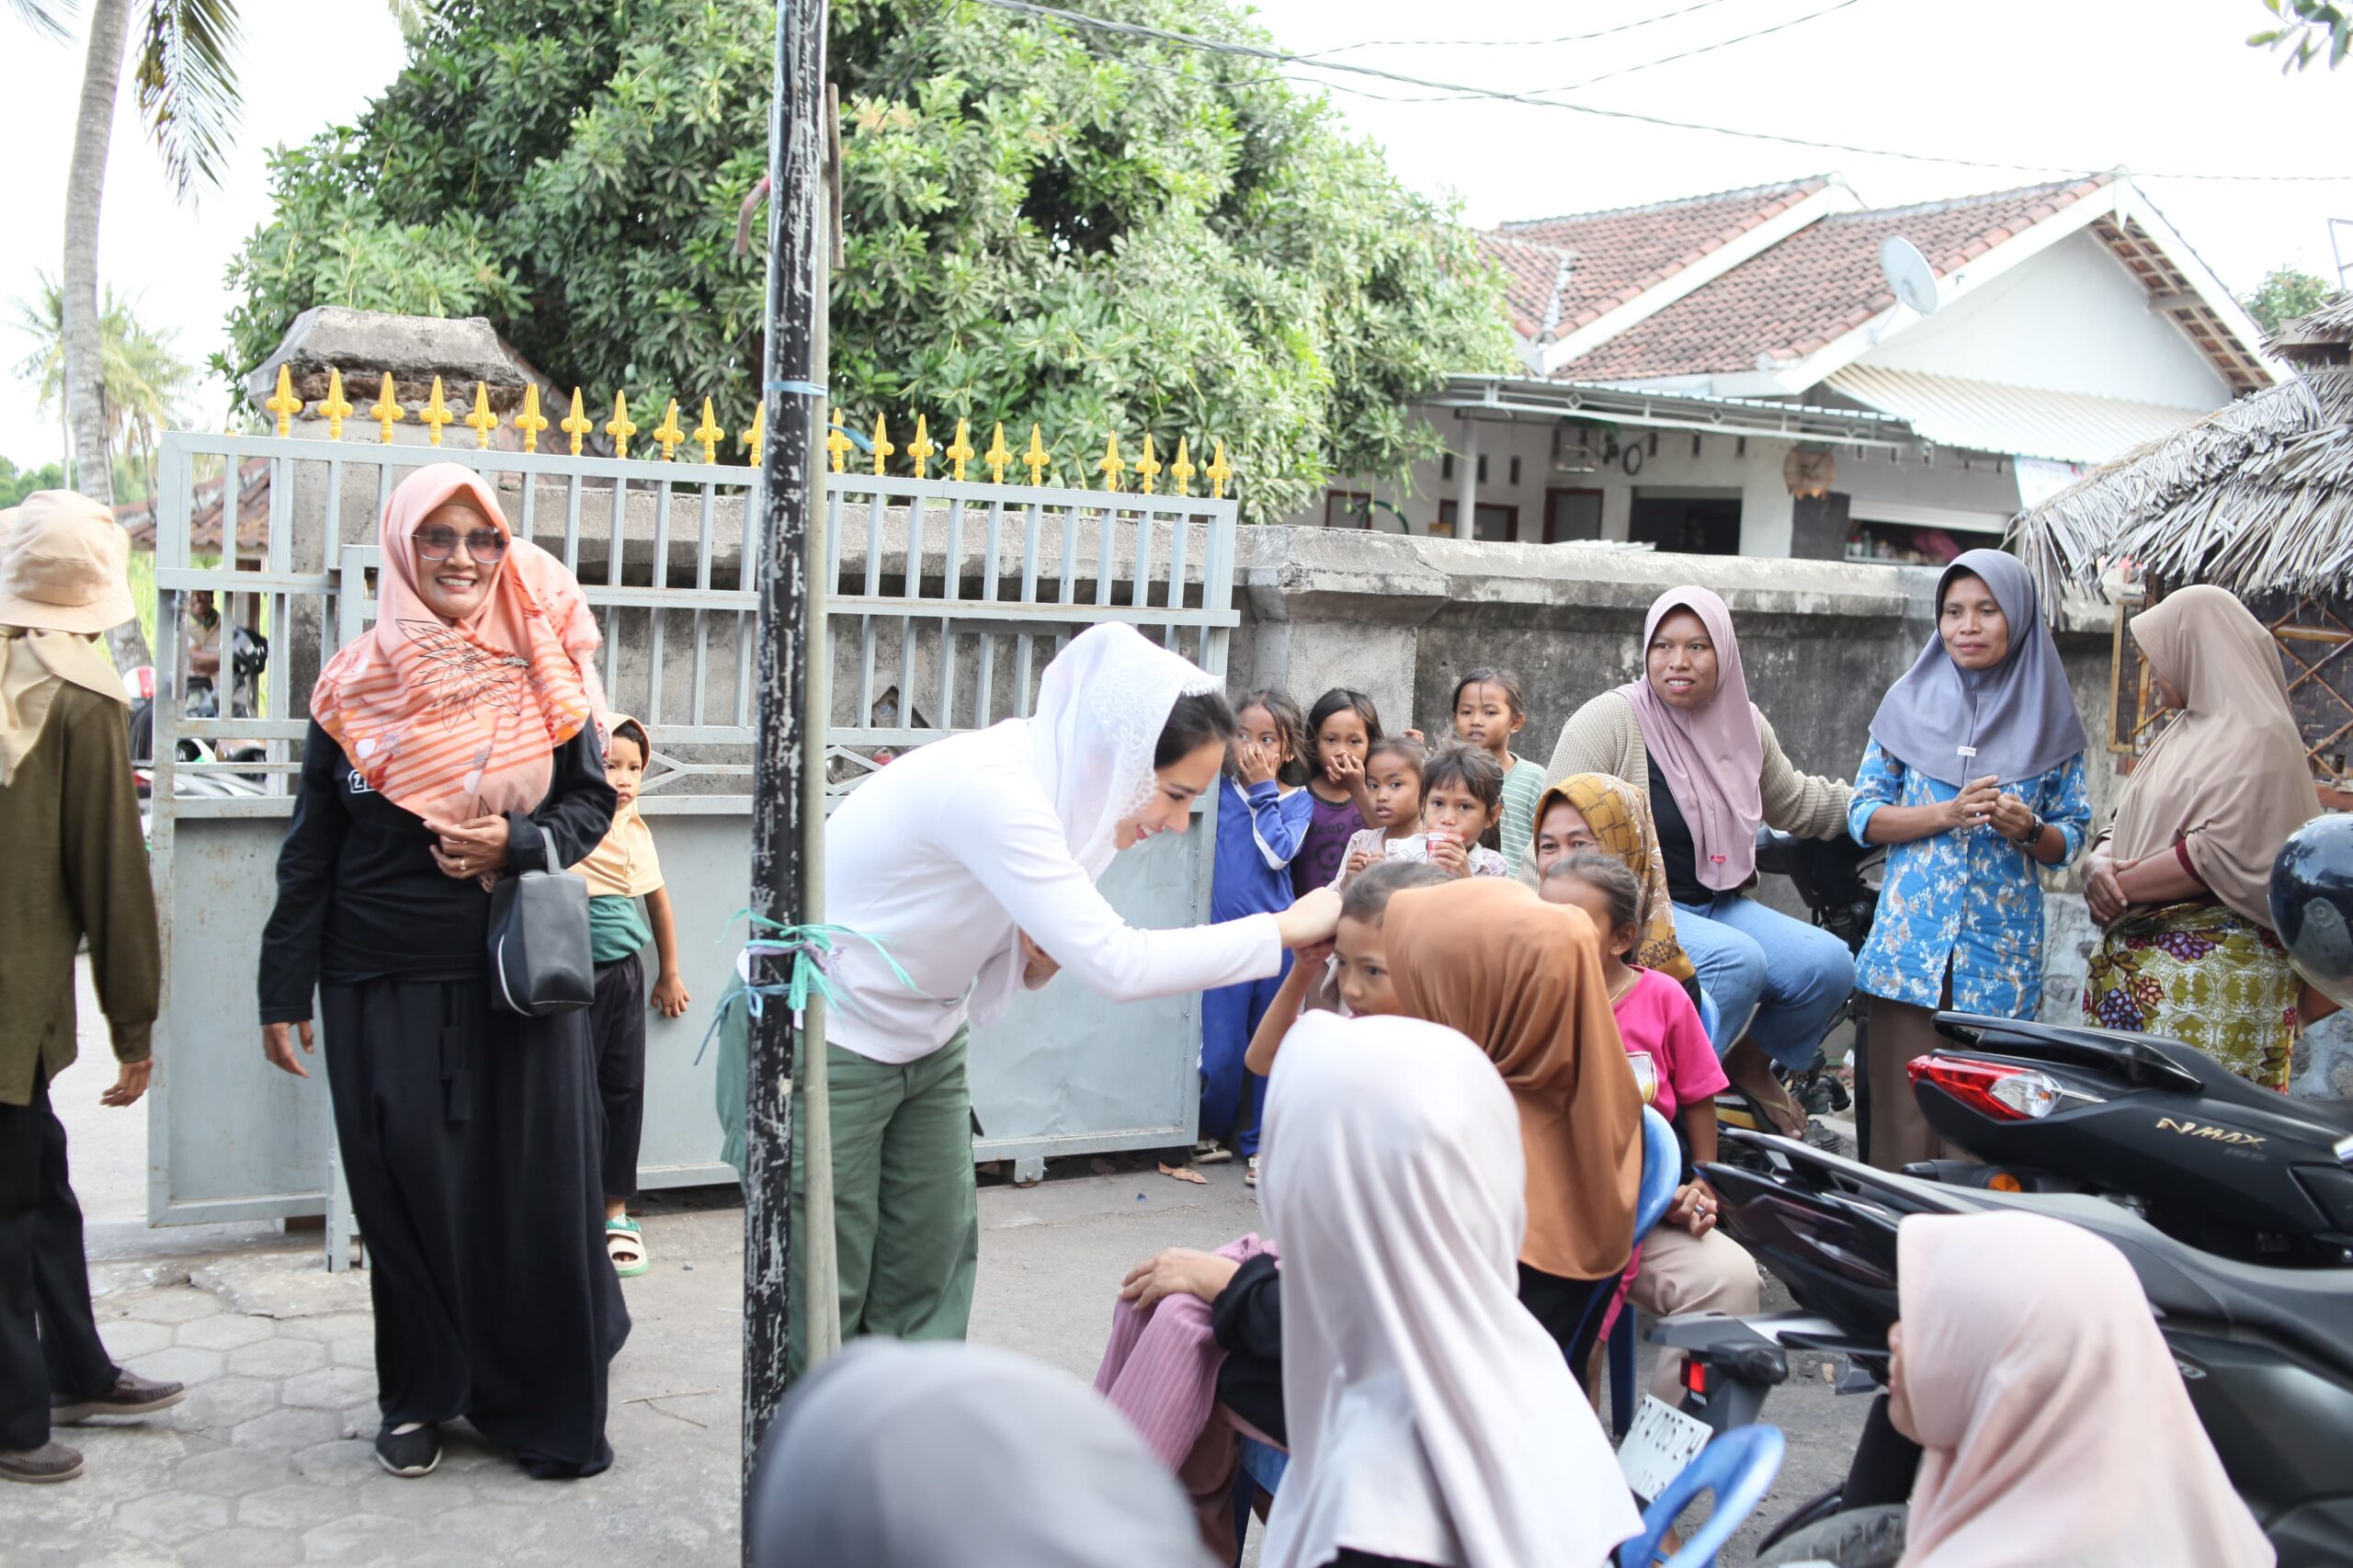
(2055, 1430)
(926, 1456)
(1432, 1419)
(971, 863)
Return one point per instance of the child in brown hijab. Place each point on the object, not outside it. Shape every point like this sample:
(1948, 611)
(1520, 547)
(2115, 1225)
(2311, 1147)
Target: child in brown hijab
(1522, 979)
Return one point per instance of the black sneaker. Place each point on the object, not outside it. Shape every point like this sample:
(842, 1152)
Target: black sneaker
(409, 1454)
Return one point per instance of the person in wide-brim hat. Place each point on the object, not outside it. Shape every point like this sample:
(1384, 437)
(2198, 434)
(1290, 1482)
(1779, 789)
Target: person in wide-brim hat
(66, 800)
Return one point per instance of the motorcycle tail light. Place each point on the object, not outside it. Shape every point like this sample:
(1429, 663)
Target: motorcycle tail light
(1695, 1375)
(1993, 1088)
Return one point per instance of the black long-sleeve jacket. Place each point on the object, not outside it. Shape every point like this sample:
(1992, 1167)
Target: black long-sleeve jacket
(360, 899)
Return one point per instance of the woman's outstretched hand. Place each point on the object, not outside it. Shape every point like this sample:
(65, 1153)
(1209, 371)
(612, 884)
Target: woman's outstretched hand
(1177, 1271)
(1312, 919)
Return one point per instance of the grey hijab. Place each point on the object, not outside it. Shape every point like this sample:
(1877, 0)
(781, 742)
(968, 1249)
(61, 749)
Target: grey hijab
(2020, 717)
(926, 1456)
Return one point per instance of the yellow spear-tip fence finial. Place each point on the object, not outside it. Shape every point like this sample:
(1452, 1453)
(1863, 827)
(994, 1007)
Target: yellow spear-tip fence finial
(336, 408)
(962, 452)
(435, 415)
(283, 402)
(921, 449)
(668, 433)
(1182, 470)
(619, 426)
(386, 412)
(1036, 457)
(1111, 467)
(709, 434)
(882, 447)
(837, 446)
(482, 421)
(755, 435)
(1148, 466)
(999, 456)
(1218, 473)
(576, 425)
(531, 421)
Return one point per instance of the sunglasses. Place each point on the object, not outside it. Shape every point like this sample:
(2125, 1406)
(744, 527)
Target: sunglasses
(438, 542)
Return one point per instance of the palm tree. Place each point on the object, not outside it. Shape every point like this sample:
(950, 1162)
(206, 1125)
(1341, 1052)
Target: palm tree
(143, 383)
(185, 70)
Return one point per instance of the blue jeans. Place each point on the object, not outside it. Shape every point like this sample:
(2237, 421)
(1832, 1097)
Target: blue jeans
(1778, 979)
(1231, 1094)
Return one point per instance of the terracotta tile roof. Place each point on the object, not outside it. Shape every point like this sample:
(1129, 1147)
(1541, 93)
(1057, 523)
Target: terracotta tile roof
(1533, 275)
(1619, 254)
(1823, 280)
(138, 517)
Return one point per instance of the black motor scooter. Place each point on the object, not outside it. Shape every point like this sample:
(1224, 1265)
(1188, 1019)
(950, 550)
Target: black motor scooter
(2205, 1156)
(2266, 1353)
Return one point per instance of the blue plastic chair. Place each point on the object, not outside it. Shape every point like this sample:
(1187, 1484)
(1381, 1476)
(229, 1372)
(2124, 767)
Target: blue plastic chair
(1738, 1466)
(1662, 1173)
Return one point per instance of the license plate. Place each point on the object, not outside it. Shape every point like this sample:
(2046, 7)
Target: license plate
(1659, 1445)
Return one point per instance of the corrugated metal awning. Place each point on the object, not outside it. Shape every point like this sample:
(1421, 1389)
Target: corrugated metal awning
(1993, 416)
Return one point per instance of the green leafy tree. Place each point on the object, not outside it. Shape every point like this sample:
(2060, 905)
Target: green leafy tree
(2285, 293)
(1102, 236)
(2307, 30)
(16, 484)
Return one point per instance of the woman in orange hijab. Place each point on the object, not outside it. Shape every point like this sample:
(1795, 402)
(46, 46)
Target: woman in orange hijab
(1522, 979)
(455, 742)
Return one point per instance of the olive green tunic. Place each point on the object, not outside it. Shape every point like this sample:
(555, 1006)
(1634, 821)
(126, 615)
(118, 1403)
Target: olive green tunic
(76, 864)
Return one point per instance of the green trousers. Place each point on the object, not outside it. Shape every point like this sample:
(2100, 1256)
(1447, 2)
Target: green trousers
(906, 1215)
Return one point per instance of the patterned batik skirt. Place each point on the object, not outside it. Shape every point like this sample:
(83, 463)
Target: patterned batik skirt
(2204, 975)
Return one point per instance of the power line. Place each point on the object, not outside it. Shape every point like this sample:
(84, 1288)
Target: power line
(1705, 48)
(1511, 42)
(1464, 90)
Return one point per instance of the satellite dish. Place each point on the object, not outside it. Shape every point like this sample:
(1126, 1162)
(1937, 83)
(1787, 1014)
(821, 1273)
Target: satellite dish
(1908, 274)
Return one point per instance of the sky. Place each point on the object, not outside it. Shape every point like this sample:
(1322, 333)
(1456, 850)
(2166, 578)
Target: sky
(2164, 87)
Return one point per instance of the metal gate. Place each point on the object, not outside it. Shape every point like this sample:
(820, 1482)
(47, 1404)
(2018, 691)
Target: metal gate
(950, 597)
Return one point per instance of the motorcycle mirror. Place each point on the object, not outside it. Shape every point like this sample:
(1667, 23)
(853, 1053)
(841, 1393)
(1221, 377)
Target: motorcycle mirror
(2311, 904)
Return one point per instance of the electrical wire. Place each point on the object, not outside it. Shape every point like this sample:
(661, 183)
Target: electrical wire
(1458, 90)
(1511, 42)
(1705, 48)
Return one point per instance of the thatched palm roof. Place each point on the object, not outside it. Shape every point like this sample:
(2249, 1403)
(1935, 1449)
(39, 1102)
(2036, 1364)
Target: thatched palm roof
(2256, 497)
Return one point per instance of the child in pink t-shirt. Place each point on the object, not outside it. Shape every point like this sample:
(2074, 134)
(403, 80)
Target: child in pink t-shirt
(1686, 1264)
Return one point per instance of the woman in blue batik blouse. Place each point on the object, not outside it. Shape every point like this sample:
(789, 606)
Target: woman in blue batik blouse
(1975, 777)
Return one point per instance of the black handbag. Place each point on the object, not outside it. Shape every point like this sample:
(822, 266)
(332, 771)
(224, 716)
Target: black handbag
(540, 962)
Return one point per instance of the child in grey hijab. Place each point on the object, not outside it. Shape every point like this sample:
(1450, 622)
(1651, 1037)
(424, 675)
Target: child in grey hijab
(894, 1455)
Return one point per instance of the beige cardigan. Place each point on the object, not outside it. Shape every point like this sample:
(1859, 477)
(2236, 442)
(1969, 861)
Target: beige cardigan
(1604, 736)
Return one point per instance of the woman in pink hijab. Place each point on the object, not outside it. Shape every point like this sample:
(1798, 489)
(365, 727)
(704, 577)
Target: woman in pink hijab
(1685, 735)
(2052, 1422)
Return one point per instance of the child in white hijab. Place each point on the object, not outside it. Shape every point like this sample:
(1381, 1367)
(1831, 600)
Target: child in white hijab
(1432, 1419)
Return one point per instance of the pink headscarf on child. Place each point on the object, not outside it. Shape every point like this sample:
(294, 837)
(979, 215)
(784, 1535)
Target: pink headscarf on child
(2057, 1430)
(1713, 757)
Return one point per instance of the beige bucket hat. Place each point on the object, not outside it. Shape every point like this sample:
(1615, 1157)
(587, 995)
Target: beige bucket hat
(62, 562)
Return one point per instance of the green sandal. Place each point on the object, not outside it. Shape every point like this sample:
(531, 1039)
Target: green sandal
(625, 1245)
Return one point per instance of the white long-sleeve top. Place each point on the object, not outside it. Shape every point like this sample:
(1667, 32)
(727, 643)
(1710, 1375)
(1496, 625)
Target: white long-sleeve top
(945, 855)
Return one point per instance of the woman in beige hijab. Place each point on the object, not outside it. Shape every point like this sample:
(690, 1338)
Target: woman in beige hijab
(2179, 885)
(2052, 1426)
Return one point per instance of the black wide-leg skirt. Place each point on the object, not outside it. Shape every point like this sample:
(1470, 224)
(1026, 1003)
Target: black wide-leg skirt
(470, 1141)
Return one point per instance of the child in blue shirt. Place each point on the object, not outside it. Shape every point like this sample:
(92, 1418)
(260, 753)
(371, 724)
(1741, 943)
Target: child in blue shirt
(1262, 819)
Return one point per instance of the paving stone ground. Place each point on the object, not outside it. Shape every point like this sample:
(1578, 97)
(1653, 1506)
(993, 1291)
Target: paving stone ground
(269, 1461)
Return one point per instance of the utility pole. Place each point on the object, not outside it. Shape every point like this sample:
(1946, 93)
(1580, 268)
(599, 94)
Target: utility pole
(788, 764)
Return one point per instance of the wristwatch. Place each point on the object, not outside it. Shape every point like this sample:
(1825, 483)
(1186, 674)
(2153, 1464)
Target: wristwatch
(2033, 835)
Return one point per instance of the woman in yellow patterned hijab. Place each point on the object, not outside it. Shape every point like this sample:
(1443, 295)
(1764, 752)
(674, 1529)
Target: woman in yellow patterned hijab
(1595, 810)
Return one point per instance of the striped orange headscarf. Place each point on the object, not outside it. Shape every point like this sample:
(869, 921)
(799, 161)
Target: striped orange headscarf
(455, 721)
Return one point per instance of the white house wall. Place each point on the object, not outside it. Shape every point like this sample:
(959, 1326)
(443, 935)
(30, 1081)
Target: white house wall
(1952, 482)
(2070, 320)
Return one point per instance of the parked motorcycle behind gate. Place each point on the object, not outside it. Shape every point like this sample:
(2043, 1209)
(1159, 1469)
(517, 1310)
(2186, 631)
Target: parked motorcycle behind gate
(249, 657)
